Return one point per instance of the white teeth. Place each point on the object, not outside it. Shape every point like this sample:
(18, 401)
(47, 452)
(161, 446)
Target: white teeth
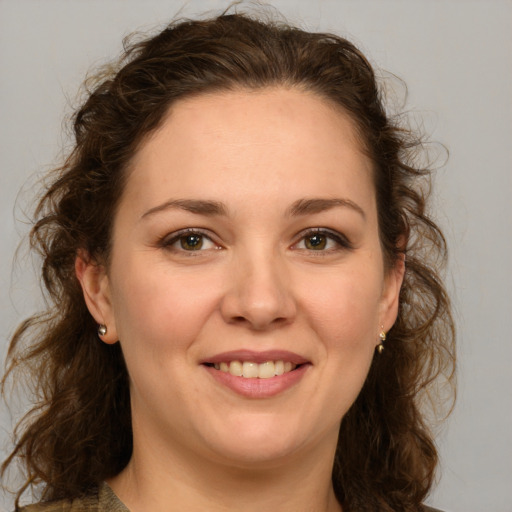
(251, 370)
(236, 369)
(266, 370)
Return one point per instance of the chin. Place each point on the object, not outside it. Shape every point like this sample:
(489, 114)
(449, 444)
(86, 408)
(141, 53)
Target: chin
(256, 442)
(258, 456)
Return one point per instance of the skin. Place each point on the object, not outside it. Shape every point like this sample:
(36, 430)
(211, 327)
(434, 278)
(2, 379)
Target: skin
(258, 283)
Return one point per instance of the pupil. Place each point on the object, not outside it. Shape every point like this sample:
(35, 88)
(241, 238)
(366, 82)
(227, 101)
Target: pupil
(316, 241)
(193, 242)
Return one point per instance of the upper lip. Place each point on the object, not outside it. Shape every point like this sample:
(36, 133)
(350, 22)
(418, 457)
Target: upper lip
(256, 357)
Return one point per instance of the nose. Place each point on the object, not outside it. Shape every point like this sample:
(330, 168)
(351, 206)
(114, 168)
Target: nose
(259, 294)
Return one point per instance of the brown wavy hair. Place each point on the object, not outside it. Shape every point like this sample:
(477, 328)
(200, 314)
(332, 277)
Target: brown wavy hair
(78, 432)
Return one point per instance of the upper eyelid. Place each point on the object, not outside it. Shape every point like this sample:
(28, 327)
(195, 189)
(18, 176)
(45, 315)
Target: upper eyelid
(319, 229)
(336, 235)
(170, 238)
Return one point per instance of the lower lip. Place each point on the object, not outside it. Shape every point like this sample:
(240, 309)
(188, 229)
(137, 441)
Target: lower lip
(258, 388)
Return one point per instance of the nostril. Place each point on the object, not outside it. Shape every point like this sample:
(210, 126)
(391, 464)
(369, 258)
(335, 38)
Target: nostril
(259, 323)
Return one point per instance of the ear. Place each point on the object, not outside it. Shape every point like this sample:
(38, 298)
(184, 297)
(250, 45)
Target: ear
(391, 293)
(96, 289)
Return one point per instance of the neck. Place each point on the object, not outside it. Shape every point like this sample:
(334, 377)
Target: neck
(182, 482)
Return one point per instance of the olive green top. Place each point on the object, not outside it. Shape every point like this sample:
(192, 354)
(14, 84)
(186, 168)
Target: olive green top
(103, 501)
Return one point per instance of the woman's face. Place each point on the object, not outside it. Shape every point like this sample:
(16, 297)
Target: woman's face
(246, 241)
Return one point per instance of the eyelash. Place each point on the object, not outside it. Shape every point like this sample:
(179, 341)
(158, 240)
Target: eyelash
(169, 240)
(341, 241)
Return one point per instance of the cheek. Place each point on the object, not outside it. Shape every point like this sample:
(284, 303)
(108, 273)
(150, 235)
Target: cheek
(344, 309)
(345, 318)
(159, 317)
(163, 309)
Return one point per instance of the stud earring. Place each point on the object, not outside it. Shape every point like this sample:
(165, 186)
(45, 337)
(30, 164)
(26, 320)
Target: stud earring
(382, 336)
(102, 329)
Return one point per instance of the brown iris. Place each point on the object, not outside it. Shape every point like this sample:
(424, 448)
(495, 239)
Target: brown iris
(316, 242)
(192, 242)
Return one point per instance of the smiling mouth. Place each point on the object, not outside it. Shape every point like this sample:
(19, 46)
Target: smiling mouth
(253, 370)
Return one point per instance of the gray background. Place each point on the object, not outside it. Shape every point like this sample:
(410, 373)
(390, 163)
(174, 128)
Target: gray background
(455, 57)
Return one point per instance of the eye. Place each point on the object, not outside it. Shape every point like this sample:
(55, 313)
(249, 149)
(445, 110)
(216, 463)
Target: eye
(189, 240)
(322, 240)
(316, 242)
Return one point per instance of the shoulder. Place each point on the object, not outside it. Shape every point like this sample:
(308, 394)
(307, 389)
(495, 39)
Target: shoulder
(87, 504)
(102, 500)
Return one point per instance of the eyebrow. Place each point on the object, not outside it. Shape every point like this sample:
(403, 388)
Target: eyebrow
(213, 208)
(318, 205)
(199, 206)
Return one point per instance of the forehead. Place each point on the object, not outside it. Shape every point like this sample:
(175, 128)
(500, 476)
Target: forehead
(258, 142)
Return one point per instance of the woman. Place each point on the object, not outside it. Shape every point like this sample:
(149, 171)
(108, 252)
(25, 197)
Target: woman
(247, 306)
